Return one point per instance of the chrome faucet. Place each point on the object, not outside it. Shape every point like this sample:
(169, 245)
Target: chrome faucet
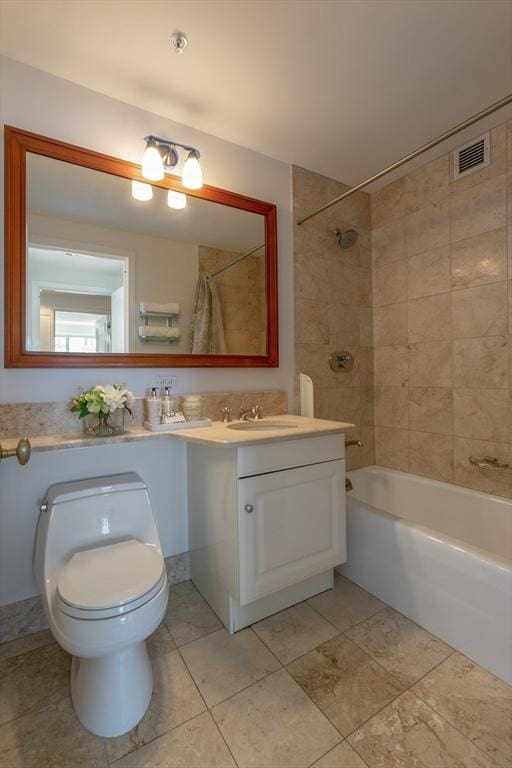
(226, 414)
(254, 412)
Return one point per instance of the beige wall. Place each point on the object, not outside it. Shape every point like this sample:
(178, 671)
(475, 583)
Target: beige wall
(333, 305)
(242, 295)
(442, 320)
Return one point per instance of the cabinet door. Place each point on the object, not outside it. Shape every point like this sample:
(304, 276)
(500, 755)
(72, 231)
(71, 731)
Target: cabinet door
(292, 525)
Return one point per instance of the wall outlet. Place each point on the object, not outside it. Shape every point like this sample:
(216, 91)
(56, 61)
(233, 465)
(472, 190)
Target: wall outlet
(166, 381)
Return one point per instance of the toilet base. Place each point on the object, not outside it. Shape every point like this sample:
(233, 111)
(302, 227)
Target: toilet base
(111, 694)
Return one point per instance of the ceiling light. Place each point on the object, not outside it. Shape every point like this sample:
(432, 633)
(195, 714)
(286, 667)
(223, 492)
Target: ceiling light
(192, 176)
(141, 191)
(176, 200)
(152, 165)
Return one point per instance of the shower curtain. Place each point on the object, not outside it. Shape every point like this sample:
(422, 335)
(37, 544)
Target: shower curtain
(207, 325)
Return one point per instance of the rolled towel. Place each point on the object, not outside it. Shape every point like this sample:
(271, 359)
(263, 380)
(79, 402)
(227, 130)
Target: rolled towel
(158, 332)
(154, 308)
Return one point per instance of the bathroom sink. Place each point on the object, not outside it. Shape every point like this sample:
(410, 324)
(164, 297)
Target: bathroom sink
(259, 425)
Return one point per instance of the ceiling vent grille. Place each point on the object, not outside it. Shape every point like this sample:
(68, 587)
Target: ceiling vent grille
(471, 157)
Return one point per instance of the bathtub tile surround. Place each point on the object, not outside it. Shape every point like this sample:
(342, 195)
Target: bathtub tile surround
(39, 419)
(441, 313)
(248, 709)
(333, 311)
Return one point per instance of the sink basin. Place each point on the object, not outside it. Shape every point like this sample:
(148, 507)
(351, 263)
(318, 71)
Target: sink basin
(260, 425)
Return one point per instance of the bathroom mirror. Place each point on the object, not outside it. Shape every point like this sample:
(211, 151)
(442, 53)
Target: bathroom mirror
(103, 270)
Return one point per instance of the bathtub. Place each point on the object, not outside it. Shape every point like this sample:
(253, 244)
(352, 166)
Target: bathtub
(439, 554)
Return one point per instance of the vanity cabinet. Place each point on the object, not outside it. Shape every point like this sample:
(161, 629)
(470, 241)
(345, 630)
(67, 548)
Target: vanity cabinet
(267, 523)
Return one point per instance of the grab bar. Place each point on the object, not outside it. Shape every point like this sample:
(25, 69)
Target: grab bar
(488, 462)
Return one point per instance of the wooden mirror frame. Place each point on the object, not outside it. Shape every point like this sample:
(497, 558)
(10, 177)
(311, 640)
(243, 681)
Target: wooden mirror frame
(17, 144)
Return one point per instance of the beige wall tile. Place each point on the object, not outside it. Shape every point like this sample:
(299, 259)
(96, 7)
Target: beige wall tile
(340, 404)
(427, 228)
(430, 318)
(365, 326)
(392, 448)
(428, 273)
(429, 184)
(365, 287)
(390, 365)
(481, 363)
(389, 283)
(430, 364)
(388, 243)
(390, 324)
(343, 325)
(480, 259)
(366, 366)
(367, 406)
(482, 413)
(480, 311)
(391, 407)
(388, 203)
(499, 483)
(311, 322)
(432, 455)
(478, 209)
(344, 284)
(310, 276)
(431, 409)
(497, 165)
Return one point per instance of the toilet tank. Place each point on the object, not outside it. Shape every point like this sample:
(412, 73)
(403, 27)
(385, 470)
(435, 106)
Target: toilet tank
(86, 513)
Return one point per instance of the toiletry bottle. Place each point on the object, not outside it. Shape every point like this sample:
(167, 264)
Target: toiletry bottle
(168, 403)
(154, 407)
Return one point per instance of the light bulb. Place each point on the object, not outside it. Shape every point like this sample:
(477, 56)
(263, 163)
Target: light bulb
(176, 199)
(192, 176)
(152, 165)
(141, 191)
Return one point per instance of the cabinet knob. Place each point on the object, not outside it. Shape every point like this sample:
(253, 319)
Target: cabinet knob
(249, 508)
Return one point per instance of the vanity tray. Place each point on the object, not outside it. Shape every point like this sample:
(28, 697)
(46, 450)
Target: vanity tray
(178, 425)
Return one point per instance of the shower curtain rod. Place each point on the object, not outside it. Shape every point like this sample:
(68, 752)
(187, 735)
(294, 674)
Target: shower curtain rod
(446, 135)
(235, 261)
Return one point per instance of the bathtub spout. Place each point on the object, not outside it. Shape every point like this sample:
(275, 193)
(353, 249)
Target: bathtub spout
(353, 442)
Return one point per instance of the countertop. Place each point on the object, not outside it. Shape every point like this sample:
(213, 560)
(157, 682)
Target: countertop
(217, 434)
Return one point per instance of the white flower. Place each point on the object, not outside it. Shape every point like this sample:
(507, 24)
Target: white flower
(114, 398)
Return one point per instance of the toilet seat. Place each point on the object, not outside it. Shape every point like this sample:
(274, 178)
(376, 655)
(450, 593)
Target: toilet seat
(110, 580)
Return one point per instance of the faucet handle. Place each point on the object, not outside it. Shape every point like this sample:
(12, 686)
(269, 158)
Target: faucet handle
(257, 411)
(226, 414)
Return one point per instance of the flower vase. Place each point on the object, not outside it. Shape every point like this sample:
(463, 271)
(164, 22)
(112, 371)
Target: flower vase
(104, 424)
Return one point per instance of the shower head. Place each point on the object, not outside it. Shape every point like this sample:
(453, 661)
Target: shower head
(346, 238)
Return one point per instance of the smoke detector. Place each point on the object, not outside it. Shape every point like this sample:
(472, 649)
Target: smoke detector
(179, 42)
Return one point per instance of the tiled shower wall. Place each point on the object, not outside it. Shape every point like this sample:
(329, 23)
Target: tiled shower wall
(442, 319)
(433, 356)
(333, 305)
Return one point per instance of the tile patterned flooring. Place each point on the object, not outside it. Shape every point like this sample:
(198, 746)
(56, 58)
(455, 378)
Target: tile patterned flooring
(339, 681)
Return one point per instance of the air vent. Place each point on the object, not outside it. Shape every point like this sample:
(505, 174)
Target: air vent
(472, 156)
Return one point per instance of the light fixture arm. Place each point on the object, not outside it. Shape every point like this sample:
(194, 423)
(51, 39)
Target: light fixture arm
(167, 144)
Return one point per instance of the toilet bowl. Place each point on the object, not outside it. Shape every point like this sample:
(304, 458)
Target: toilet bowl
(99, 564)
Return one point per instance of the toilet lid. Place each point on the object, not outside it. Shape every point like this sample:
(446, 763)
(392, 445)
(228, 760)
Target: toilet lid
(111, 575)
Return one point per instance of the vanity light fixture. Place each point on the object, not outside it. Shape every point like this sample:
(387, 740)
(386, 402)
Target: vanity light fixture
(141, 191)
(176, 200)
(161, 155)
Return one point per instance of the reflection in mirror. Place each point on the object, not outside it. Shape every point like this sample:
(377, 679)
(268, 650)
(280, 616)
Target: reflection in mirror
(109, 273)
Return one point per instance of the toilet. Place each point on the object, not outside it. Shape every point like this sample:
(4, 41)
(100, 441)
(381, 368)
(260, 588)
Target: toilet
(99, 564)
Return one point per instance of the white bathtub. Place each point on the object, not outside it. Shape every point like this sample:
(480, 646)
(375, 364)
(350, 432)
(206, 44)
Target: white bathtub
(439, 554)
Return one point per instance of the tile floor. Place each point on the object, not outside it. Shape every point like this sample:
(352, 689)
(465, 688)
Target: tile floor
(340, 681)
